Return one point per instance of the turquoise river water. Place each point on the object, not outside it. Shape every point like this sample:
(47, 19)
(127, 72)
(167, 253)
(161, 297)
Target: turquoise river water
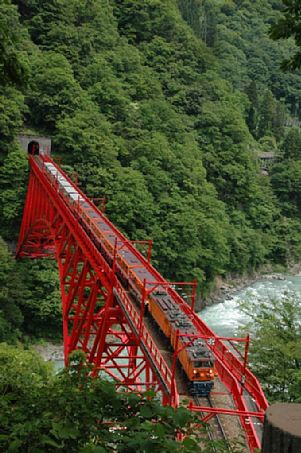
(226, 318)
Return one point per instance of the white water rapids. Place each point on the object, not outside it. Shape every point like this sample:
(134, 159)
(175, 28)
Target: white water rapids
(226, 318)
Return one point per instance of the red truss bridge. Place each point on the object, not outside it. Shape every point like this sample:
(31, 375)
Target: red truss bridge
(107, 285)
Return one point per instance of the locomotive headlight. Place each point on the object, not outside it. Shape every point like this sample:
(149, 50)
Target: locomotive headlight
(194, 371)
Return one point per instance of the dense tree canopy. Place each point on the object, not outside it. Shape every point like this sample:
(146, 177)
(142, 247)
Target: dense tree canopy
(289, 26)
(162, 107)
(11, 317)
(76, 413)
(276, 346)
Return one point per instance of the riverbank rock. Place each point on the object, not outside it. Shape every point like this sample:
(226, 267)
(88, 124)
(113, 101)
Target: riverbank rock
(226, 289)
(50, 351)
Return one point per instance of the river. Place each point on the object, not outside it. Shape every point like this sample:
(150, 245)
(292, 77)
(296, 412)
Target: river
(226, 318)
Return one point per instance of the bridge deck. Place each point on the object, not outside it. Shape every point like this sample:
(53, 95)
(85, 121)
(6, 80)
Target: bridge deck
(104, 246)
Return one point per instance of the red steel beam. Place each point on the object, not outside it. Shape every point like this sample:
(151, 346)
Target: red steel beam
(87, 281)
(50, 223)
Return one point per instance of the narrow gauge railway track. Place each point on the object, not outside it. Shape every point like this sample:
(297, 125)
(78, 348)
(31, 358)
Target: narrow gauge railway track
(132, 271)
(215, 428)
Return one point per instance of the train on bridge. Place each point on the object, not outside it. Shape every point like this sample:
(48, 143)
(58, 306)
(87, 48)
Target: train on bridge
(192, 351)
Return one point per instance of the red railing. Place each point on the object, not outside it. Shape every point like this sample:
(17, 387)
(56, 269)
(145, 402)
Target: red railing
(160, 367)
(148, 342)
(230, 369)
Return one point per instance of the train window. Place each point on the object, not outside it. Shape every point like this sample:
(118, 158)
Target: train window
(33, 148)
(206, 364)
(202, 364)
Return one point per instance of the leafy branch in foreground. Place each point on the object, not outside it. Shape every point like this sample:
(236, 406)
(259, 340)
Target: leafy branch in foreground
(275, 355)
(76, 413)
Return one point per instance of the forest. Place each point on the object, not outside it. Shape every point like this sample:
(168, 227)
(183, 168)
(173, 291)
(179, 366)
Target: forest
(165, 108)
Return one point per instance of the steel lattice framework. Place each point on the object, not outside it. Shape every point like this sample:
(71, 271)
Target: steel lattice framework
(100, 318)
(107, 331)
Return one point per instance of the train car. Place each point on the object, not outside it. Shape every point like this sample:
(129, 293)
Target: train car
(197, 362)
(193, 354)
(158, 308)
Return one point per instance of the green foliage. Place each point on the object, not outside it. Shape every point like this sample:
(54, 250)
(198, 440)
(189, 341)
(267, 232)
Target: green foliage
(41, 298)
(11, 117)
(245, 51)
(287, 248)
(288, 26)
(11, 317)
(276, 353)
(13, 59)
(143, 19)
(30, 300)
(286, 174)
(202, 18)
(14, 74)
(86, 138)
(291, 146)
(14, 168)
(54, 93)
(162, 117)
(267, 109)
(74, 412)
(132, 206)
(76, 30)
(201, 222)
(286, 179)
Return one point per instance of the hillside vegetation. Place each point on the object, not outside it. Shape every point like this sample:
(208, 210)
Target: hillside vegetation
(163, 107)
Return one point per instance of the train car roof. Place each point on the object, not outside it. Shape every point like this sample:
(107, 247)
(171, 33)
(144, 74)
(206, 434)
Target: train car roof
(70, 189)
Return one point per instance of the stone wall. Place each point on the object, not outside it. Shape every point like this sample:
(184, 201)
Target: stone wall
(44, 143)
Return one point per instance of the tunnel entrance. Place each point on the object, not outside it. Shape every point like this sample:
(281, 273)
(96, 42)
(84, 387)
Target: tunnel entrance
(33, 148)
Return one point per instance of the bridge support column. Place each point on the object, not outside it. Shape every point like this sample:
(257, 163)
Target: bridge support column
(93, 320)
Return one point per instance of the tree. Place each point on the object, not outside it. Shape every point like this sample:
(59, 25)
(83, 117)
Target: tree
(54, 93)
(77, 413)
(289, 26)
(14, 67)
(11, 117)
(143, 19)
(41, 299)
(86, 137)
(131, 205)
(291, 146)
(14, 169)
(14, 74)
(11, 318)
(30, 299)
(266, 114)
(252, 118)
(276, 346)
(77, 30)
(279, 121)
(286, 181)
(202, 18)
